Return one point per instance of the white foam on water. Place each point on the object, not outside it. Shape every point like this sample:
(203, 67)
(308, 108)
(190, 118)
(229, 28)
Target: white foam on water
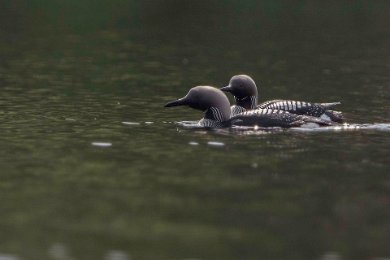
(217, 144)
(59, 251)
(101, 144)
(378, 126)
(309, 128)
(193, 143)
(189, 124)
(8, 257)
(310, 125)
(344, 127)
(117, 255)
(130, 123)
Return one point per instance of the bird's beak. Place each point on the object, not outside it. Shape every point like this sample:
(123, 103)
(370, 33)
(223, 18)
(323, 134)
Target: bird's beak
(179, 102)
(226, 89)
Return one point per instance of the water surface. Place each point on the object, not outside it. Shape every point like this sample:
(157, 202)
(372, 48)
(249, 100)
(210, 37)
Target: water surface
(93, 166)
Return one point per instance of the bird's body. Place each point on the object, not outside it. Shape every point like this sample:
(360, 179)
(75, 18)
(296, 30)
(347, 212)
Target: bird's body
(321, 110)
(216, 107)
(272, 117)
(245, 93)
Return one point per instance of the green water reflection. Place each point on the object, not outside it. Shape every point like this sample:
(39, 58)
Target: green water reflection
(104, 77)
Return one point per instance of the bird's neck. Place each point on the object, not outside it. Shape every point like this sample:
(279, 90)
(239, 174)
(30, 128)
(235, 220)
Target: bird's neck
(214, 113)
(249, 102)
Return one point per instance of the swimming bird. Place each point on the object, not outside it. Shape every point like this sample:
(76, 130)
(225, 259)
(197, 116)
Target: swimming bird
(244, 90)
(212, 101)
(216, 107)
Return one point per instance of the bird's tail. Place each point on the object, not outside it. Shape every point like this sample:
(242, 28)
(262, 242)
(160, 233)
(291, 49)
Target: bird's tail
(335, 116)
(330, 105)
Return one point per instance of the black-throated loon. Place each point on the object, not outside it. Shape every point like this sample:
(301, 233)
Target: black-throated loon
(216, 107)
(244, 90)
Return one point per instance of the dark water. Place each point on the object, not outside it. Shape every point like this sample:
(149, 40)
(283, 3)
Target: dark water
(93, 166)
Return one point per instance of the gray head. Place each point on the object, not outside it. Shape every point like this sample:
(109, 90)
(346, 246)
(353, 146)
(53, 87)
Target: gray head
(244, 90)
(211, 100)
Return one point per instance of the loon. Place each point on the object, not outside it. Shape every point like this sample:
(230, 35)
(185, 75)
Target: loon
(244, 90)
(216, 107)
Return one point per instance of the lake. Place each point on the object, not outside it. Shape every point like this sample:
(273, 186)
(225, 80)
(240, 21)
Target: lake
(94, 167)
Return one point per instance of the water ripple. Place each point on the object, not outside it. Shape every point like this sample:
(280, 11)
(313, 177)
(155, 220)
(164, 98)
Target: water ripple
(245, 130)
(346, 127)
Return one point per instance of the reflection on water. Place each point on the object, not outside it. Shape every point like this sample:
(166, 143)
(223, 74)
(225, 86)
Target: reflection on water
(216, 144)
(348, 127)
(59, 252)
(116, 255)
(8, 257)
(255, 130)
(331, 256)
(101, 144)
